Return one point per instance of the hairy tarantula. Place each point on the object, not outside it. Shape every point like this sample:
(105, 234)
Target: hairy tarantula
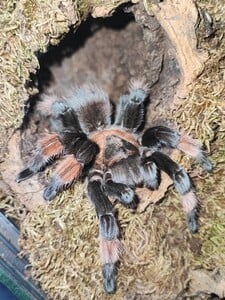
(116, 158)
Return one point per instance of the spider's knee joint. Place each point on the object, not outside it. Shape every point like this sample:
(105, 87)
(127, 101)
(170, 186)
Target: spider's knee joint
(151, 174)
(95, 175)
(182, 182)
(108, 227)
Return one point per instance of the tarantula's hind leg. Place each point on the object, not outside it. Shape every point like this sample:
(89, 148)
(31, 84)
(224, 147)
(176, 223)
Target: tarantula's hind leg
(108, 230)
(162, 136)
(48, 148)
(68, 170)
(183, 186)
(121, 192)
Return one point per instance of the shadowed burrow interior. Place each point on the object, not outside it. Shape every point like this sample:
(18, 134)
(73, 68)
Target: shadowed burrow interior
(108, 51)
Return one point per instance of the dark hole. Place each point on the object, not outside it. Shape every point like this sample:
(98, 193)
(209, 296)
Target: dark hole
(72, 42)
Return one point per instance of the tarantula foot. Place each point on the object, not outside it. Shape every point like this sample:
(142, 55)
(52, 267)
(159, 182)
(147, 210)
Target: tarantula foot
(127, 195)
(109, 280)
(128, 198)
(23, 175)
(192, 220)
(204, 162)
(51, 190)
(134, 204)
(49, 193)
(122, 193)
(138, 96)
(119, 191)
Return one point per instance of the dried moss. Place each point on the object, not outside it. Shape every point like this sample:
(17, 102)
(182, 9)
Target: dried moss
(26, 27)
(12, 208)
(202, 115)
(63, 246)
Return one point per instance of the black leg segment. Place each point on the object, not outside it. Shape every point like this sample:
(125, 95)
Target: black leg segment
(150, 173)
(183, 186)
(130, 108)
(181, 179)
(160, 136)
(73, 138)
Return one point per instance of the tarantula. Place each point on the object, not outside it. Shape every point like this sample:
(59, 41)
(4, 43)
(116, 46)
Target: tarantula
(115, 156)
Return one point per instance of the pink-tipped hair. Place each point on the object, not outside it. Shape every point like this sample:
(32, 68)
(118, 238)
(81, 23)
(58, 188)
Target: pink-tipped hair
(189, 201)
(189, 146)
(138, 83)
(44, 106)
(109, 251)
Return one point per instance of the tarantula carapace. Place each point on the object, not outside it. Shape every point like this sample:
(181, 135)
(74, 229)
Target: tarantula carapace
(115, 156)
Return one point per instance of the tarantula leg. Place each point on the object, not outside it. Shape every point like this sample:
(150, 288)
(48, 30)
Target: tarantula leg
(193, 148)
(121, 192)
(68, 170)
(73, 138)
(161, 136)
(48, 148)
(64, 118)
(183, 186)
(108, 231)
(150, 173)
(130, 108)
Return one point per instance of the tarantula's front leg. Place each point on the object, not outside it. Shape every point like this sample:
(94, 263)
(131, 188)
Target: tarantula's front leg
(48, 148)
(68, 170)
(73, 138)
(119, 191)
(160, 136)
(183, 186)
(108, 230)
(130, 108)
(80, 151)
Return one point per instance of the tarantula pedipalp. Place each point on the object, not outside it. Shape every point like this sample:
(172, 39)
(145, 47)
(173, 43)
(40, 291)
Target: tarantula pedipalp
(116, 158)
